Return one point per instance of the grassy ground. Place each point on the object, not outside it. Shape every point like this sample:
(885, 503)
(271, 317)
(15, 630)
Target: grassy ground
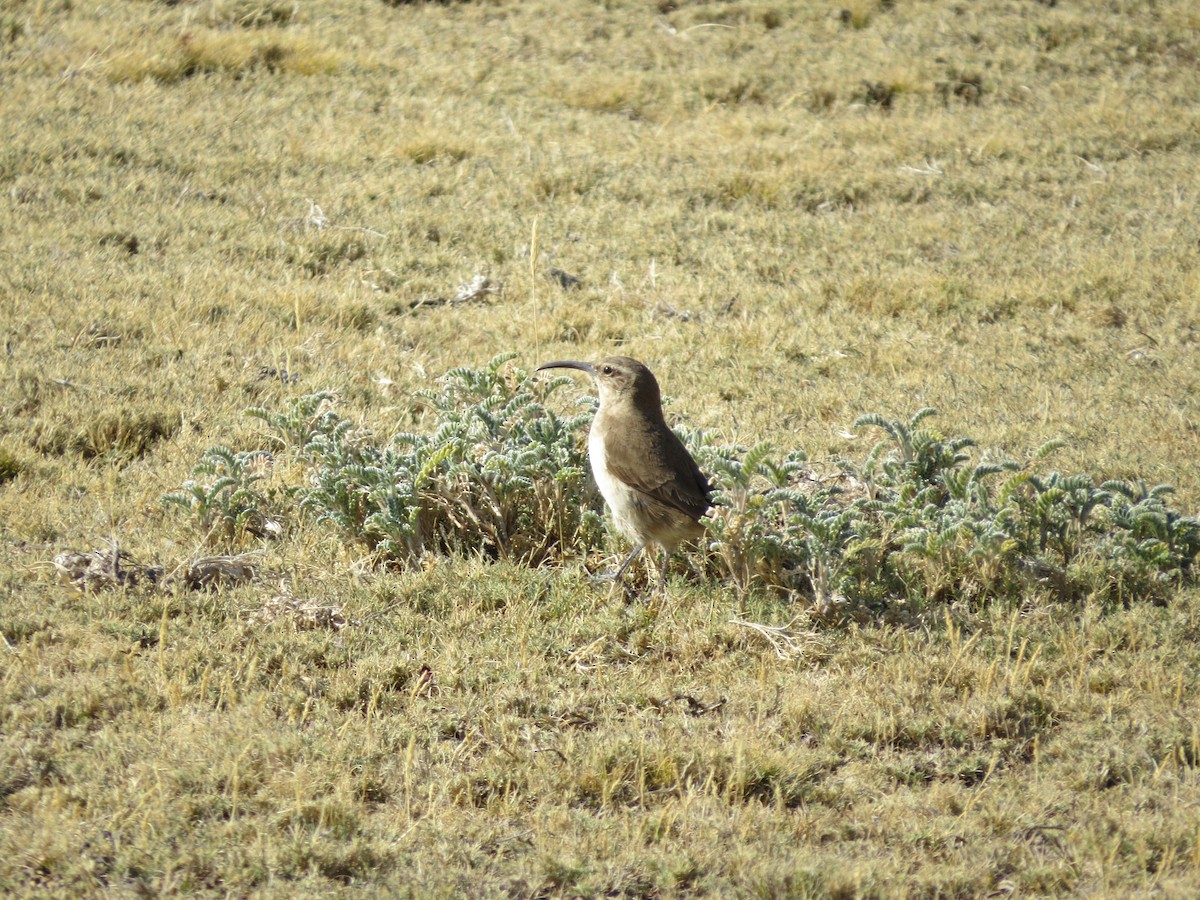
(796, 214)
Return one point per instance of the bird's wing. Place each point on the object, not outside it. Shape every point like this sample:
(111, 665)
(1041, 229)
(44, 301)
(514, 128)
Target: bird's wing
(661, 468)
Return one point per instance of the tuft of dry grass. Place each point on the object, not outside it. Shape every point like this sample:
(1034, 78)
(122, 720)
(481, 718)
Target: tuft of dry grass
(207, 51)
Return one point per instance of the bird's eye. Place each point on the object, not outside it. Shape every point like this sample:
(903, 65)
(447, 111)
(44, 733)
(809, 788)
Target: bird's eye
(607, 370)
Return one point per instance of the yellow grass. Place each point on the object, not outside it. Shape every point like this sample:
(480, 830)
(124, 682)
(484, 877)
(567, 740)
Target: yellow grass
(197, 198)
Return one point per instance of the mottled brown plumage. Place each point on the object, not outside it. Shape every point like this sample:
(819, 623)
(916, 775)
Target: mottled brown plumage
(654, 489)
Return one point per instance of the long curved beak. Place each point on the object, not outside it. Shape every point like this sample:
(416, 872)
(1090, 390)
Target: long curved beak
(570, 364)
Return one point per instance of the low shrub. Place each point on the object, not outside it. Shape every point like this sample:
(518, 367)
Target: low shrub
(919, 521)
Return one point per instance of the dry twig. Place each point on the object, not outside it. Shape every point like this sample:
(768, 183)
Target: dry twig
(785, 643)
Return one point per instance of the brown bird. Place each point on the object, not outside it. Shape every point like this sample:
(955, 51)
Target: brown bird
(654, 489)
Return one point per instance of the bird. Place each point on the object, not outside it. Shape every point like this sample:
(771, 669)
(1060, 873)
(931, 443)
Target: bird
(651, 484)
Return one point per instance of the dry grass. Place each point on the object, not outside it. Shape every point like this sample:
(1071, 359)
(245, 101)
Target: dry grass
(796, 216)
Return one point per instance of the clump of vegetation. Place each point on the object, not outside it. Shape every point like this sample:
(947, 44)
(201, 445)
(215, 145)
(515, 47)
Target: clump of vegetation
(965, 86)
(500, 474)
(423, 150)
(121, 433)
(10, 466)
(419, 2)
(879, 93)
(216, 51)
(250, 14)
(223, 496)
(918, 521)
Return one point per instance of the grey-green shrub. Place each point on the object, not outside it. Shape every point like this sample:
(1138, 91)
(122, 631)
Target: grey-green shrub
(918, 521)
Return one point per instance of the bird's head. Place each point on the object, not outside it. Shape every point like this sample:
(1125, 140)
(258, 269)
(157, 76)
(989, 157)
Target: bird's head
(619, 379)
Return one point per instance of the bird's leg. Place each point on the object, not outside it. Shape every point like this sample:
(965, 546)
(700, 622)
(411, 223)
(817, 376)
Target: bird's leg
(615, 574)
(659, 595)
(630, 558)
(663, 562)
(693, 560)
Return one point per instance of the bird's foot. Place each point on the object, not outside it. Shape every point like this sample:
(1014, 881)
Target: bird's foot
(616, 584)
